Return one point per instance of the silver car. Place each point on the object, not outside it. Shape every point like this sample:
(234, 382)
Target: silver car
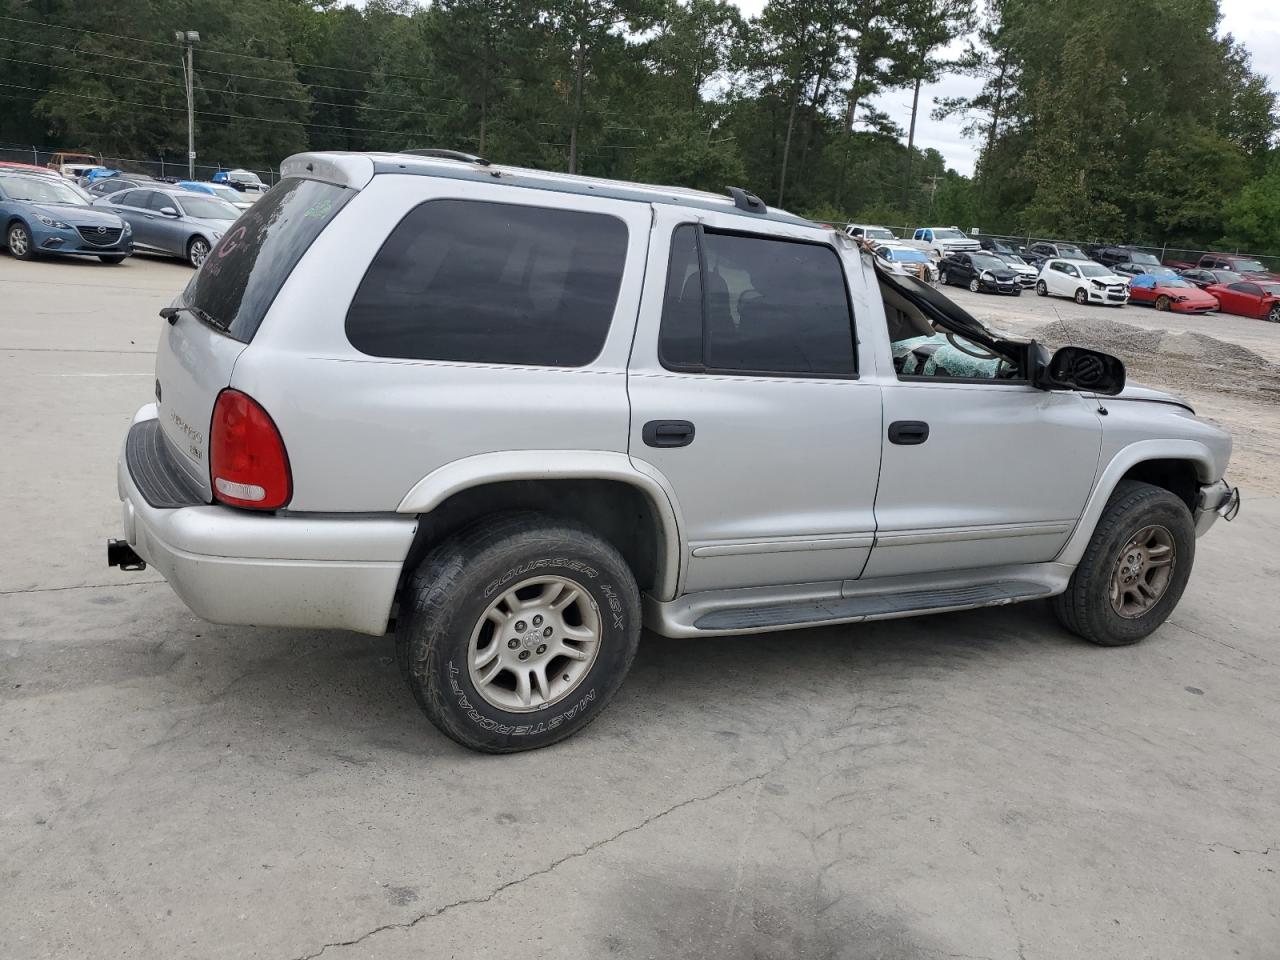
(181, 224)
(511, 416)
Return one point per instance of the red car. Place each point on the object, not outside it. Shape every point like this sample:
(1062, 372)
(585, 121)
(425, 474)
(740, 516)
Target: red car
(1249, 298)
(1168, 292)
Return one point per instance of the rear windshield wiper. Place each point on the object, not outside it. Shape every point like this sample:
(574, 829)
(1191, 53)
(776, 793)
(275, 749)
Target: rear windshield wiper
(171, 314)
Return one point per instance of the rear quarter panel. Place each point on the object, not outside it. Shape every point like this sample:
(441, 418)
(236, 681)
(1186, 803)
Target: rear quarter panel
(361, 431)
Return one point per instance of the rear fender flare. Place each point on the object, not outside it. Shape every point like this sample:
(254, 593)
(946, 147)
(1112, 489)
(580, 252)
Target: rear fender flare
(442, 483)
(1198, 454)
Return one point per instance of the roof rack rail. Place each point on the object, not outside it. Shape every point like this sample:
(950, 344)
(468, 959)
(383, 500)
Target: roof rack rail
(447, 155)
(746, 200)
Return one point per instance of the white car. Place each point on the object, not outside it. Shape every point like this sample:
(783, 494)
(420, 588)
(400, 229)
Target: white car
(1083, 281)
(940, 241)
(868, 232)
(1027, 274)
(905, 260)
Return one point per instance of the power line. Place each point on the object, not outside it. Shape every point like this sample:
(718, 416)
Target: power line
(221, 53)
(222, 73)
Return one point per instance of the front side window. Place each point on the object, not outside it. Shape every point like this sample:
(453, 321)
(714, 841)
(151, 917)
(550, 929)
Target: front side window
(473, 281)
(738, 303)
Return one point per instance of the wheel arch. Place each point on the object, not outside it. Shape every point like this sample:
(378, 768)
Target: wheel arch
(628, 502)
(1179, 466)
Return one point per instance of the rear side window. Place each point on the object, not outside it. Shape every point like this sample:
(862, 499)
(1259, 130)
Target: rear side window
(245, 271)
(482, 282)
(737, 303)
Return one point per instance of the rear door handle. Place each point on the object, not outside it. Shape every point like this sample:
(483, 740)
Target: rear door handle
(908, 433)
(668, 433)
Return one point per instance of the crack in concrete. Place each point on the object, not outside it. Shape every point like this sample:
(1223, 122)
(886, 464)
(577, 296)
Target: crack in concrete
(543, 871)
(1222, 643)
(80, 586)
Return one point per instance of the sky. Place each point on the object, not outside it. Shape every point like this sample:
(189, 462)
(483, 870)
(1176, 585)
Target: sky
(1256, 22)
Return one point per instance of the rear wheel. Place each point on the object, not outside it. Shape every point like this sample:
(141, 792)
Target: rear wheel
(19, 241)
(1082, 296)
(1042, 290)
(1162, 302)
(1134, 569)
(518, 631)
(197, 251)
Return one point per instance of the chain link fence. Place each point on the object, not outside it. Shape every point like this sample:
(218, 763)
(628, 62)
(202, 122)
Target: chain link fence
(158, 167)
(1165, 254)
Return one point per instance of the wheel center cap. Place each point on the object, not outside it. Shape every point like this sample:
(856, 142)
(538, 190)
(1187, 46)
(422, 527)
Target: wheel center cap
(531, 639)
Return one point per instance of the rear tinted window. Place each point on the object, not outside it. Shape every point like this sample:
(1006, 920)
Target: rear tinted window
(467, 280)
(251, 262)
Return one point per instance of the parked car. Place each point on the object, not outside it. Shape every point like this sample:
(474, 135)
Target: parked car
(979, 271)
(175, 222)
(1228, 263)
(45, 216)
(30, 169)
(1170, 293)
(1026, 272)
(72, 165)
(367, 417)
(1082, 280)
(996, 245)
(241, 201)
(245, 181)
(940, 241)
(1133, 262)
(1248, 298)
(1044, 250)
(905, 260)
(108, 185)
(867, 231)
(1207, 278)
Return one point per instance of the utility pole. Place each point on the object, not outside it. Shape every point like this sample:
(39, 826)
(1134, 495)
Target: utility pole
(189, 38)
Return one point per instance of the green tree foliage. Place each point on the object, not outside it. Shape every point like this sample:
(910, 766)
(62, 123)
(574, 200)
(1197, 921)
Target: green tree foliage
(1131, 120)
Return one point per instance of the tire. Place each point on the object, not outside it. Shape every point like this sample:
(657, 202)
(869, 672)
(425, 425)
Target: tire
(1082, 296)
(114, 258)
(448, 600)
(1274, 315)
(18, 239)
(1087, 608)
(1017, 292)
(1042, 289)
(942, 278)
(974, 286)
(1162, 302)
(197, 250)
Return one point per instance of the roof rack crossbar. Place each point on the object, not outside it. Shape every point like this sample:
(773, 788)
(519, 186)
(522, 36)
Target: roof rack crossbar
(447, 155)
(745, 200)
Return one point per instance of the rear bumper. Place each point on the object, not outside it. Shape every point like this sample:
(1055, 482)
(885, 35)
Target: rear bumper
(1216, 500)
(238, 567)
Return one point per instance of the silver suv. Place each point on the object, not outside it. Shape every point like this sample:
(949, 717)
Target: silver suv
(512, 415)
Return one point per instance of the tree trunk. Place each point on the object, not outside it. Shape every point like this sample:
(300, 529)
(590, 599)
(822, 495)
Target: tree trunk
(579, 68)
(786, 144)
(911, 142)
(851, 115)
(996, 109)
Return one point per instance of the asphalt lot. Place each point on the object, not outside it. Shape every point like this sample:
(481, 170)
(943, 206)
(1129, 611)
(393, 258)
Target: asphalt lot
(968, 785)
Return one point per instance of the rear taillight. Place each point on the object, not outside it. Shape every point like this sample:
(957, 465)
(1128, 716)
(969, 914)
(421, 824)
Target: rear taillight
(247, 460)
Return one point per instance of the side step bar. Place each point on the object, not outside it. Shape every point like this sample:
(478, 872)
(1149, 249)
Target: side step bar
(761, 609)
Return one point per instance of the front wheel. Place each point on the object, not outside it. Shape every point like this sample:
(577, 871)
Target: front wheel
(1134, 569)
(516, 632)
(1082, 296)
(1274, 315)
(197, 251)
(1162, 302)
(942, 278)
(19, 241)
(974, 286)
(1042, 290)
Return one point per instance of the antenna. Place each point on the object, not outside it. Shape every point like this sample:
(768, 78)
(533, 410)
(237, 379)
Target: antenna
(745, 200)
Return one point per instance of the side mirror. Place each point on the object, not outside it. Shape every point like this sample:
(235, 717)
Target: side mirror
(1075, 368)
(168, 212)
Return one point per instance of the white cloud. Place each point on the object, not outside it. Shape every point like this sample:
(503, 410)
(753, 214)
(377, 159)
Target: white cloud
(1254, 22)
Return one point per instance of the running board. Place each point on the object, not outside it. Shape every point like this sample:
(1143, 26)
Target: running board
(766, 609)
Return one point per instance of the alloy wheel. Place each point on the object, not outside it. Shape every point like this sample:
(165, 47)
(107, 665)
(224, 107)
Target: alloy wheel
(973, 286)
(1081, 296)
(19, 241)
(197, 252)
(1143, 571)
(534, 644)
(1162, 302)
(1274, 315)
(1042, 288)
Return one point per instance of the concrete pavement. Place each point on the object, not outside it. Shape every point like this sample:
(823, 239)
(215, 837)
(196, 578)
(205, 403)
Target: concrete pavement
(968, 785)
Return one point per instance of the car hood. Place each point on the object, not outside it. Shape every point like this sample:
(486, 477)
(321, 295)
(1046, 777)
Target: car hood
(1137, 392)
(1110, 278)
(1191, 293)
(75, 215)
(1006, 274)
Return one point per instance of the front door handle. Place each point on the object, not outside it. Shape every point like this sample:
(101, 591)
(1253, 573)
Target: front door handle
(908, 433)
(668, 433)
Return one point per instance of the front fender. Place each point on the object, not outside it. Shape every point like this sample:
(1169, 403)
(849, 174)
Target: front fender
(437, 486)
(1194, 451)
